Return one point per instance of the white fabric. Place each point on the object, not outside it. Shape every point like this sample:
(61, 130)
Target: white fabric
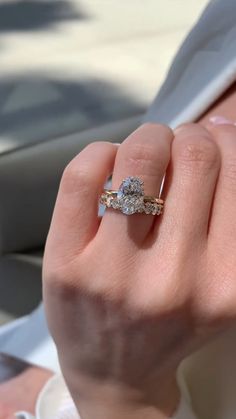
(34, 343)
(54, 402)
(24, 415)
(204, 67)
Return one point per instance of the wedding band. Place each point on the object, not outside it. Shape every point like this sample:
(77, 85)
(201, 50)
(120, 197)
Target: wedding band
(131, 199)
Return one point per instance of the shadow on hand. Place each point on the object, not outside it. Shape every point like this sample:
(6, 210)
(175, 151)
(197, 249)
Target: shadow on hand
(28, 15)
(37, 108)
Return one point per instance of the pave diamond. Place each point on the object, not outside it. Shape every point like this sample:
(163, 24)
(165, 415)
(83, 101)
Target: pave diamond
(130, 195)
(115, 204)
(109, 201)
(103, 199)
(131, 204)
(131, 186)
(148, 208)
(159, 210)
(152, 208)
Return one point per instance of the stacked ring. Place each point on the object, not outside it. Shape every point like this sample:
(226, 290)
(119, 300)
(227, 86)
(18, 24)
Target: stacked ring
(130, 199)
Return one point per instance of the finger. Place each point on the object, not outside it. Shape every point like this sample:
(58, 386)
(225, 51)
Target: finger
(190, 184)
(144, 154)
(222, 227)
(75, 220)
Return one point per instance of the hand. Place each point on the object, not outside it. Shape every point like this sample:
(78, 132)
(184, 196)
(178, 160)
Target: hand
(128, 297)
(21, 392)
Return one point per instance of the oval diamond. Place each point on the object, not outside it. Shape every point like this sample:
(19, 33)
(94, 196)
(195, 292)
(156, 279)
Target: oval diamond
(131, 186)
(130, 195)
(131, 204)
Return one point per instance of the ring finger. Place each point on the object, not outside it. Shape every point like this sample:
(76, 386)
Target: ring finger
(144, 154)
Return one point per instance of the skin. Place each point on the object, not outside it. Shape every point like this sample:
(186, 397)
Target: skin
(128, 298)
(13, 392)
(161, 287)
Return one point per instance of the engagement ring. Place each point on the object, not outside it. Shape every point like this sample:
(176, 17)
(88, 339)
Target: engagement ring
(130, 198)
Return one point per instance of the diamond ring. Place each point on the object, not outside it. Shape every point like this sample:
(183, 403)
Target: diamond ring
(130, 198)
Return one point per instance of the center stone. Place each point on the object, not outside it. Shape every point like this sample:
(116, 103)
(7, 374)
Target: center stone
(130, 195)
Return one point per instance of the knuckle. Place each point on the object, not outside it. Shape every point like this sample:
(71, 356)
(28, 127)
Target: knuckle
(223, 129)
(229, 173)
(186, 126)
(144, 159)
(61, 281)
(96, 145)
(51, 275)
(196, 152)
(189, 128)
(215, 308)
(139, 151)
(75, 177)
(78, 175)
(156, 128)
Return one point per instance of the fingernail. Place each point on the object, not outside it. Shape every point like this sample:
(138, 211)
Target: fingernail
(221, 120)
(117, 144)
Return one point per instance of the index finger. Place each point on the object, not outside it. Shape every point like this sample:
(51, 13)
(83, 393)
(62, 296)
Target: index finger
(75, 220)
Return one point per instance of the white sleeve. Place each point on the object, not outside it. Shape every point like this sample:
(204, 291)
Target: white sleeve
(55, 402)
(34, 343)
(184, 410)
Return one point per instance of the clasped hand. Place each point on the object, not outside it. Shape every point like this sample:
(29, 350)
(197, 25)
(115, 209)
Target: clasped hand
(129, 297)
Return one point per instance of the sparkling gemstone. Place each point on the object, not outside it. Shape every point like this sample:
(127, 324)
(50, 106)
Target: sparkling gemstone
(109, 201)
(130, 195)
(148, 208)
(152, 208)
(115, 204)
(103, 199)
(131, 186)
(131, 204)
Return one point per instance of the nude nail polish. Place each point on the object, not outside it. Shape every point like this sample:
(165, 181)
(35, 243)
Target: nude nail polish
(221, 120)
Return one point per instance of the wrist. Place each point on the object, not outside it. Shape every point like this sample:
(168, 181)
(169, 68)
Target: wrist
(122, 412)
(109, 401)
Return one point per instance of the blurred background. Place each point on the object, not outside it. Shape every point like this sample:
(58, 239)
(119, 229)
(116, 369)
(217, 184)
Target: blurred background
(71, 72)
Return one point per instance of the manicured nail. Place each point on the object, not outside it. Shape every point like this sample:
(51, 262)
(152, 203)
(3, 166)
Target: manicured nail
(221, 120)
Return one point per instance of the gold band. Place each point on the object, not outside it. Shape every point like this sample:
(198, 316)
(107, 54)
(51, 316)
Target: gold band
(131, 199)
(146, 197)
(151, 204)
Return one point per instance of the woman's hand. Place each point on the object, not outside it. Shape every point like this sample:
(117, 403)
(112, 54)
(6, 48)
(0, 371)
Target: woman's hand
(128, 297)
